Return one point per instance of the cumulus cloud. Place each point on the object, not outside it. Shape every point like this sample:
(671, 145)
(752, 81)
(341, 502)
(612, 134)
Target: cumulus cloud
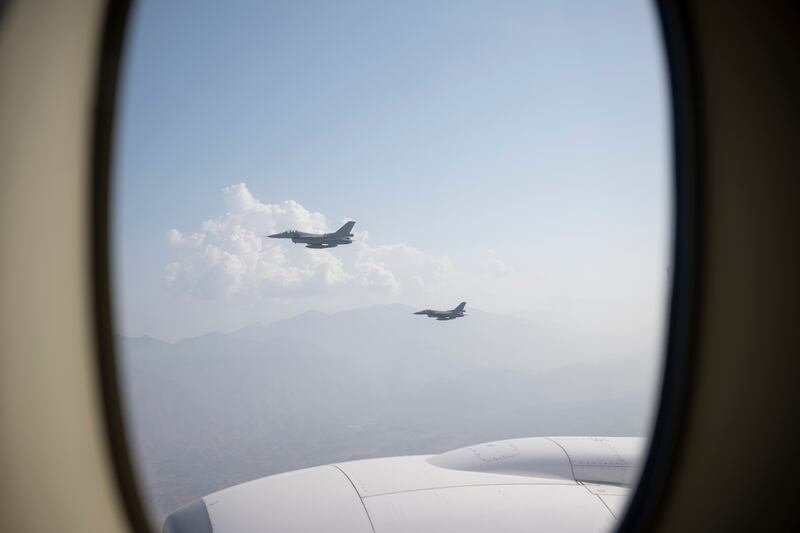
(230, 256)
(494, 265)
(376, 266)
(176, 238)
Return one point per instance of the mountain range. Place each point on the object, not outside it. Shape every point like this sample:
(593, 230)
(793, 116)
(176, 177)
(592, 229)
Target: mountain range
(211, 411)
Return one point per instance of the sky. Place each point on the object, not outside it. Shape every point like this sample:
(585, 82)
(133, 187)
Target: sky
(514, 155)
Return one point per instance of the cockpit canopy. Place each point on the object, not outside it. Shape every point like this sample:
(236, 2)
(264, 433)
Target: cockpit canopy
(285, 234)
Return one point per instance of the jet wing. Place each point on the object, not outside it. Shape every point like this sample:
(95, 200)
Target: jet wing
(552, 484)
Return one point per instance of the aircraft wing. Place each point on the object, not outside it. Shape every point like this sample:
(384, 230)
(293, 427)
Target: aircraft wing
(550, 484)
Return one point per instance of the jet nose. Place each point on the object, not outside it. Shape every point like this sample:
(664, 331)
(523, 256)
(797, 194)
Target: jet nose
(419, 313)
(275, 236)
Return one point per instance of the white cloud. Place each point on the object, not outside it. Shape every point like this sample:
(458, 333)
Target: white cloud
(495, 266)
(176, 238)
(231, 256)
(393, 266)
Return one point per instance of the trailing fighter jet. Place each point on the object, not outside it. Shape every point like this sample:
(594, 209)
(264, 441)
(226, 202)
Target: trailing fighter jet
(444, 315)
(319, 240)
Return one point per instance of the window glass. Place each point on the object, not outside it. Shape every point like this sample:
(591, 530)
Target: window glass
(511, 155)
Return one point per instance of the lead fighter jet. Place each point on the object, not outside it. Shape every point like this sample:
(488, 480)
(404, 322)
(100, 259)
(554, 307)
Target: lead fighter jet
(319, 240)
(444, 315)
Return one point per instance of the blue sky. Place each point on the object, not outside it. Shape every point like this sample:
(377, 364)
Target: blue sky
(515, 154)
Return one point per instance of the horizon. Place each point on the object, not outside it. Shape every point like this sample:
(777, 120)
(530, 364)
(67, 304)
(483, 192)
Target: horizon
(308, 312)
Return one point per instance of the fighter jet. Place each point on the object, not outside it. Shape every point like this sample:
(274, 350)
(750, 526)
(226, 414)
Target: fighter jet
(319, 240)
(444, 315)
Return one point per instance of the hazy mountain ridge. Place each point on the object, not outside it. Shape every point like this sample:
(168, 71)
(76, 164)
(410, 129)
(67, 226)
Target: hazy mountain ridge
(211, 411)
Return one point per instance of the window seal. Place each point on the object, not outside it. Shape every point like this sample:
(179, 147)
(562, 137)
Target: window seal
(646, 505)
(110, 56)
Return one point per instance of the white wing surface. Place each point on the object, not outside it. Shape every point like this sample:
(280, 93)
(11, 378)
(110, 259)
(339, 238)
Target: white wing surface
(540, 483)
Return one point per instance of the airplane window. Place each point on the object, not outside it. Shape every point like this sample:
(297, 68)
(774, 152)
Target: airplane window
(419, 249)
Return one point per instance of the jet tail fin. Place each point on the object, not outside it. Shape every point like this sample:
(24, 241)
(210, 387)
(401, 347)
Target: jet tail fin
(460, 307)
(346, 229)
